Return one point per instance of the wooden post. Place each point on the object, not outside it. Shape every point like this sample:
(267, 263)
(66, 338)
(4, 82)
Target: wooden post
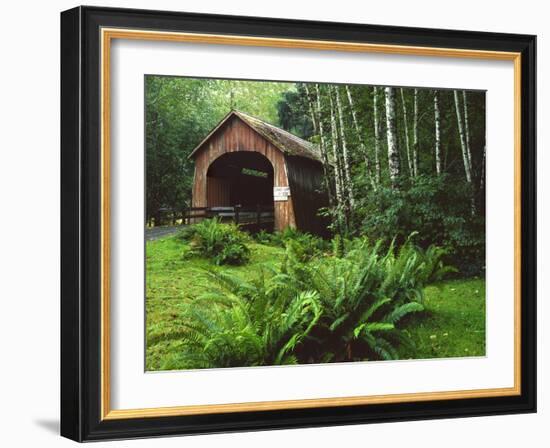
(259, 215)
(236, 211)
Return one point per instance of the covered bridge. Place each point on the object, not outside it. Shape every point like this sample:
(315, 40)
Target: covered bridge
(248, 162)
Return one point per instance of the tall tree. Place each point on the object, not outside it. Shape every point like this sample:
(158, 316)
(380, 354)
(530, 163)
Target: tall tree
(391, 135)
(415, 132)
(338, 175)
(315, 112)
(360, 137)
(462, 136)
(482, 175)
(406, 129)
(312, 114)
(437, 123)
(232, 98)
(465, 151)
(376, 134)
(467, 131)
(345, 156)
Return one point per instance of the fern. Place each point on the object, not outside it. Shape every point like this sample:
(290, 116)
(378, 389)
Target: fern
(372, 327)
(365, 292)
(401, 311)
(328, 309)
(239, 323)
(223, 243)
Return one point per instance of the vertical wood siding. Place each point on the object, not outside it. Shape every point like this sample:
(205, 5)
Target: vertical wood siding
(235, 136)
(218, 192)
(303, 177)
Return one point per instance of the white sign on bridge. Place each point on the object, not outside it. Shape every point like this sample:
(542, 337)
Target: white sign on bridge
(281, 193)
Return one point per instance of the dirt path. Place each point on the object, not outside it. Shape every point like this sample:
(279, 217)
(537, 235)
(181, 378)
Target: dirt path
(154, 233)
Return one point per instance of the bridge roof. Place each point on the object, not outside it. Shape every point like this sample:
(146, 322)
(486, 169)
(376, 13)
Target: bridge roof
(283, 140)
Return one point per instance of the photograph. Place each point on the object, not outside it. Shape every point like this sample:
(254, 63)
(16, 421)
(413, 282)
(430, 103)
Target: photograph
(292, 223)
(274, 222)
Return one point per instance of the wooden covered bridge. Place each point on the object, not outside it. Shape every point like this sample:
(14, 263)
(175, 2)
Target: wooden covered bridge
(252, 164)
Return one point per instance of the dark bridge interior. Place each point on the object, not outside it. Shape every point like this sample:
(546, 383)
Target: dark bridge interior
(242, 178)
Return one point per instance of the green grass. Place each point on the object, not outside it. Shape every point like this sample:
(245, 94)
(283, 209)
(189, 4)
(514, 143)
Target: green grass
(453, 324)
(171, 280)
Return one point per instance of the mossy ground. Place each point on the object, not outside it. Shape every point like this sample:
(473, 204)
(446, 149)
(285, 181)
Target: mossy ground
(453, 324)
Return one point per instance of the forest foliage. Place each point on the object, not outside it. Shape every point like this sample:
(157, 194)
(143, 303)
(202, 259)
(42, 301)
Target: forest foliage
(327, 308)
(224, 243)
(397, 160)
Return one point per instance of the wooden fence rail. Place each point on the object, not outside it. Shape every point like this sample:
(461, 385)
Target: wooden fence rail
(238, 214)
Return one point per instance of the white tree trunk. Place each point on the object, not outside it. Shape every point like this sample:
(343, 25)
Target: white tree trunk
(415, 133)
(437, 121)
(482, 176)
(347, 170)
(316, 118)
(391, 134)
(335, 154)
(467, 132)
(462, 135)
(360, 137)
(310, 107)
(406, 126)
(376, 135)
(465, 157)
(354, 117)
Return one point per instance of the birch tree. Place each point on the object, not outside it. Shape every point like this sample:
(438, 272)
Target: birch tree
(406, 127)
(311, 109)
(316, 118)
(391, 134)
(462, 135)
(415, 133)
(467, 131)
(437, 122)
(482, 175)
(376, 135)
(335, 153)
(360, 137)
(346, 168)
(465, 157)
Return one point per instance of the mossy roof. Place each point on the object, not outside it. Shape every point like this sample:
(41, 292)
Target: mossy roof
(285, 141)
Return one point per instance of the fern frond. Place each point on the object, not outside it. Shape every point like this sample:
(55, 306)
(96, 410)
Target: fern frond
(398, 313)
(372, 327)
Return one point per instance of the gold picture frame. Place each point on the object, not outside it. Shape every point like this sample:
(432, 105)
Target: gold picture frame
(107, 31)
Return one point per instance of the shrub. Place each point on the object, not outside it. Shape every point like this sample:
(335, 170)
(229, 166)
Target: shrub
(264, 237)
(436, 207)
(364, 294)
(240, 323)
(305, 244)
(223, 243)
(329, 309)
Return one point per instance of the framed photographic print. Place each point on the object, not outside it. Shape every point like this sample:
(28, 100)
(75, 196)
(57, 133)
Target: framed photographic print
(274, 224)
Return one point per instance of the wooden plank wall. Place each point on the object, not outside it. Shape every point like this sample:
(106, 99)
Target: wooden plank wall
(305, 177)
(234, 136)
(218, 192)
